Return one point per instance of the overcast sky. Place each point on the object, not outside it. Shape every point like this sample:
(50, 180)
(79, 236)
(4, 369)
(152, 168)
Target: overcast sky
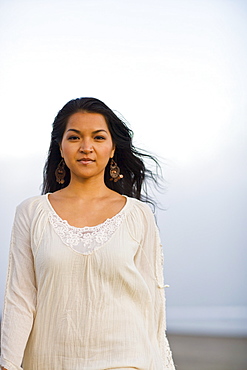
(176, 70)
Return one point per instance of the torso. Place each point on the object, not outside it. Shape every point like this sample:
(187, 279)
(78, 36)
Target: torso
(82, 212)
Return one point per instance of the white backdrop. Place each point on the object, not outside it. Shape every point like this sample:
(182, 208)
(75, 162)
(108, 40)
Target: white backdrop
(176, 70)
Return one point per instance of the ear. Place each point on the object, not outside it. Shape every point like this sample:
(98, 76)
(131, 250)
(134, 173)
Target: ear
(112, 152)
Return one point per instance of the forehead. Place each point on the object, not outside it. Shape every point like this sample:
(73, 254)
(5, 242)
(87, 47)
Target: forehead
(86, 120)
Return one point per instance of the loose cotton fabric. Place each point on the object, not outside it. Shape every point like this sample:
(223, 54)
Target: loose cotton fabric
(84, 298)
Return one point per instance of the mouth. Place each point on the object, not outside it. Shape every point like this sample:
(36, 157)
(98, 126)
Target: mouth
(85, 160)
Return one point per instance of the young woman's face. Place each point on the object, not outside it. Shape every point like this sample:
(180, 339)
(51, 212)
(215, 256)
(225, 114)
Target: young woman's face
(87, 145)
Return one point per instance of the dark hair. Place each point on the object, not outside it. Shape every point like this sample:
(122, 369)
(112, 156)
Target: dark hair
(129, 159)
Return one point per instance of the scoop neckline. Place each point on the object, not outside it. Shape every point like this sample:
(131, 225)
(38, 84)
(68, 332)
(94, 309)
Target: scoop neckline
(87, 227)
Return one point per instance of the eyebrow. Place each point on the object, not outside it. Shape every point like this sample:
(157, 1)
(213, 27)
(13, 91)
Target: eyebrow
(94, 132)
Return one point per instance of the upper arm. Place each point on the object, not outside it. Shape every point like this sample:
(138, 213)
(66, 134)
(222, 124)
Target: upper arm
(20, 293)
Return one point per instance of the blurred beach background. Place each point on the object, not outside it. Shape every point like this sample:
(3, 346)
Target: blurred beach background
(176, 70)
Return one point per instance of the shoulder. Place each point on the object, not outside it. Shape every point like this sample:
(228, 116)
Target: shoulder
(140, 219)
(139, 214)
(30, 205)
(31, 202)
(140, 207)
(28, 212)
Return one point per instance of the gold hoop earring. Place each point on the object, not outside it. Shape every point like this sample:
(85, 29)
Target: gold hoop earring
(115, 171)
(60, 172)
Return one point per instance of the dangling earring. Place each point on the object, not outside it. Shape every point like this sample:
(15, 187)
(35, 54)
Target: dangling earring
(115, 171)
(60, 172)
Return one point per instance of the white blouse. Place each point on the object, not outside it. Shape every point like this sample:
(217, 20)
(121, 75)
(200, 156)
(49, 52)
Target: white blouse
(87, 298)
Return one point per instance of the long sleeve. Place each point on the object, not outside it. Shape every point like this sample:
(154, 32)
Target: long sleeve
(149, 261)
(102, 310)
(20, 295)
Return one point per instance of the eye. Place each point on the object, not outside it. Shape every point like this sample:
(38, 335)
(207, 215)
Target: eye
(73, 138)
(99, 137)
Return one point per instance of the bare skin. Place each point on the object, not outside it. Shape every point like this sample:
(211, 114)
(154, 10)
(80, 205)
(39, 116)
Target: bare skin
(86, 201)
(88, 209)
(86, 148)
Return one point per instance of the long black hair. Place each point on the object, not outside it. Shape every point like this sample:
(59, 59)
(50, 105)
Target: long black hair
(129, 159)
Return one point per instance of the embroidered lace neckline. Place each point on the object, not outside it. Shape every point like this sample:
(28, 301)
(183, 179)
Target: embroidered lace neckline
(87, 239)
(86, 227)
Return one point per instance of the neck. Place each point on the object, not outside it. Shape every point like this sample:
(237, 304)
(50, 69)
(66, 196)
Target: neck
(87, 189)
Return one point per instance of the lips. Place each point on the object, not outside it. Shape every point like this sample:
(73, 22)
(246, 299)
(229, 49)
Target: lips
(86, 160)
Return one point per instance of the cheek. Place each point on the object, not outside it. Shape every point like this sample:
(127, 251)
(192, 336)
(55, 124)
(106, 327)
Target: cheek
(106, 154)
(111, 151)
(66, 149)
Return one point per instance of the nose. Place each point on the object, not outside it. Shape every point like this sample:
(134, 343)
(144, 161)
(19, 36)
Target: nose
(86, 147)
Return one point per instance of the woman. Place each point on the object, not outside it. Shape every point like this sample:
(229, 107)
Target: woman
(85, 280)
